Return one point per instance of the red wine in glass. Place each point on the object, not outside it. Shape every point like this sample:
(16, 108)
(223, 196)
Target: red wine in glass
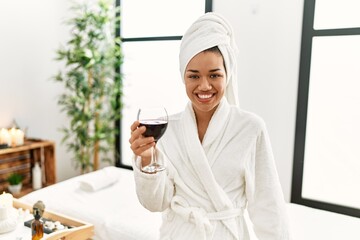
(155, 120)
(154, 128)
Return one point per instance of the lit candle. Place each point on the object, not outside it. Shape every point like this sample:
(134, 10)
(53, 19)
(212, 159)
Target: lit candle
(6, 203)
(6, 200)
(5, 137)
(12, 133)
(19, 137)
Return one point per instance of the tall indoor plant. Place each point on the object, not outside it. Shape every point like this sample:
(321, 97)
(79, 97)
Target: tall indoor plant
(92, 82)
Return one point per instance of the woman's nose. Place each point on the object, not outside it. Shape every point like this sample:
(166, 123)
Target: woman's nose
(204, 84)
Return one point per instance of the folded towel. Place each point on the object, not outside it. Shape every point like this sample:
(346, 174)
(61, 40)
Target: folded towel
(99, 179)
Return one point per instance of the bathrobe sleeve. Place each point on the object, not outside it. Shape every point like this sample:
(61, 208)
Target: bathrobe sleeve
(266, 205)
(154, 191)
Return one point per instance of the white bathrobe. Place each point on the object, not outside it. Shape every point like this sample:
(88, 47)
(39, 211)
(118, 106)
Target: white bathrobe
(207, 185)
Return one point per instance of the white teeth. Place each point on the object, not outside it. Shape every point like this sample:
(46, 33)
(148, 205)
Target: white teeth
(204, 96)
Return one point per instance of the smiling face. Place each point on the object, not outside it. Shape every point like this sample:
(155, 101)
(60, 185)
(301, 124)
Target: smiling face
(205, 82)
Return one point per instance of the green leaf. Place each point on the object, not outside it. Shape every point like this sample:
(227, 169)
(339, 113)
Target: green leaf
(92, 86)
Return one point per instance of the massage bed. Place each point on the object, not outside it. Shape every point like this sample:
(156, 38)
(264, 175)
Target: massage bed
(107, 199)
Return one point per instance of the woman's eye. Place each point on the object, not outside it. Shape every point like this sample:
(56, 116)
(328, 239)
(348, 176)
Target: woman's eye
(215, 75)
(193, 76)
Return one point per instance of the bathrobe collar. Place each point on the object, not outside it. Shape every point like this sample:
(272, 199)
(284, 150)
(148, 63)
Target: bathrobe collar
(201, 162)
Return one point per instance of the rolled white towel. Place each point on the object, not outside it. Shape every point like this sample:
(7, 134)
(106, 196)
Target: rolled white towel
(99, 179)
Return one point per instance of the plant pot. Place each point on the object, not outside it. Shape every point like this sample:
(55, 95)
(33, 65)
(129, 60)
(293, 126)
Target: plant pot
(15, 189)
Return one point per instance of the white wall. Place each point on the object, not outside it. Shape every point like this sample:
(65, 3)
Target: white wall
(30, 32)
(269, 37)
(268, 34)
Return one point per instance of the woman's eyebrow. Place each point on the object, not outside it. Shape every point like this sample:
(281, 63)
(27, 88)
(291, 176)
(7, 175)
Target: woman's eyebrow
(215, 70)
(192, 70)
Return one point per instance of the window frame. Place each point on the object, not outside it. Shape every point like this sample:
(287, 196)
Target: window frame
(308, 32)
(118, 142)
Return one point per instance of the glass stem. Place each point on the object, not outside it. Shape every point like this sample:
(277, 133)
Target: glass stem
(153, 155)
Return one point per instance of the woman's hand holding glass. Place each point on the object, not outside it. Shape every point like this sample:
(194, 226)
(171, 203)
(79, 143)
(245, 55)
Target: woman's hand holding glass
(151, 125)
(140, 145)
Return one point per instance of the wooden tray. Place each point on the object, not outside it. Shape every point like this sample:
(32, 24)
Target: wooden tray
(80, 230)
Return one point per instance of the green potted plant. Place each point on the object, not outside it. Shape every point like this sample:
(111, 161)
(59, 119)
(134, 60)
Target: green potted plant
(15, 182)
(93, 84)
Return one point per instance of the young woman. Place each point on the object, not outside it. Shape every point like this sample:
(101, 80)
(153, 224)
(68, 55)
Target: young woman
(218, 157)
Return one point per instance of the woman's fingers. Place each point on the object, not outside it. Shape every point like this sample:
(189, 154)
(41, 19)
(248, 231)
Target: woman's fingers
(134, 126)
(136, 132)
(140, 149)
(138, 143)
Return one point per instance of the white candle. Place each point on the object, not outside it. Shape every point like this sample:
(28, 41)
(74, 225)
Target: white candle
(6, 200)
(19, 137)
(12, 133)
(2, 134)
(5, 137)
(4, 213)
(6, 203)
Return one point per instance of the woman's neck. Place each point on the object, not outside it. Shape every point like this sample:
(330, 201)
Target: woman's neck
(202, 122)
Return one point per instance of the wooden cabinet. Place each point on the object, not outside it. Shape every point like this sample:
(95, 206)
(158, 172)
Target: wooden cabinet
(21, 159)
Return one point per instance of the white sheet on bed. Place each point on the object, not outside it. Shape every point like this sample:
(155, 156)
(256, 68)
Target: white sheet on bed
(117, 214)
(315, 224)
(115, 211)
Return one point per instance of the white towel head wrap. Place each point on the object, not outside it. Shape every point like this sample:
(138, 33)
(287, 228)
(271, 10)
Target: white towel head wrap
(208, 31)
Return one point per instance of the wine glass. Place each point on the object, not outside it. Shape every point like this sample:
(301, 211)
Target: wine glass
(155, 119)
